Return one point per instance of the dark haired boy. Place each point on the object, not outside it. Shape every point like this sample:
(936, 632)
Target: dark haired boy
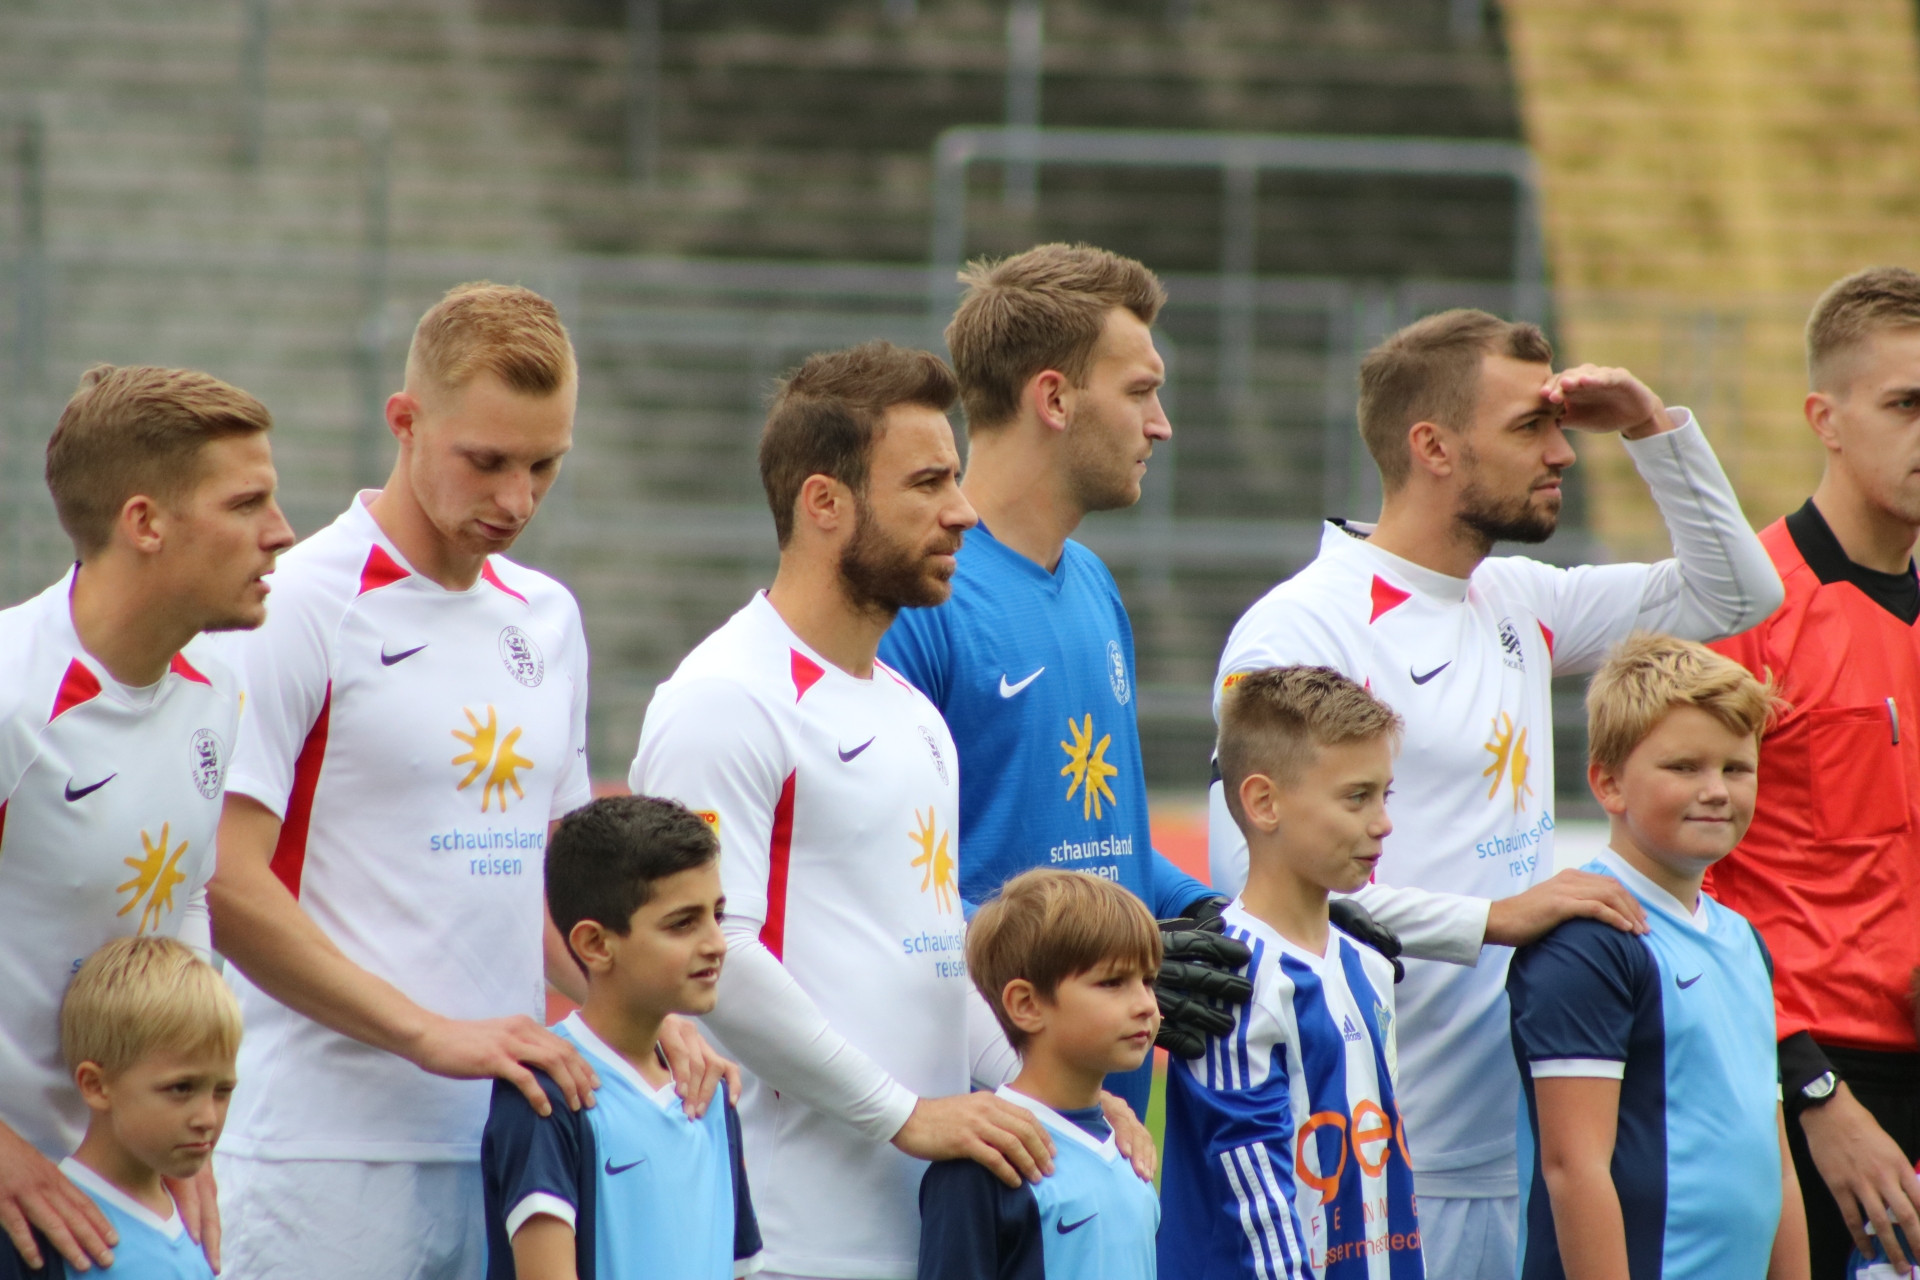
(632, 1187)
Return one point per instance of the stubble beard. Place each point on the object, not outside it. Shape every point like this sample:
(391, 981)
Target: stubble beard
(884, 576)
(1102, 480)
(1496, 519)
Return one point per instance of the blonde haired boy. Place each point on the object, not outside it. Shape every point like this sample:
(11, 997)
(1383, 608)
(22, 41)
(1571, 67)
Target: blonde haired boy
(1654, 1145)
(1286, 1155)
(1066, 960)
(416, 723)
(150, 1033)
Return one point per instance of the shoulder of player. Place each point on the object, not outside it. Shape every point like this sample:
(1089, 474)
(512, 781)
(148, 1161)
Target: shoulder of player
(543, 593)
(1378, 968)
(969, 1186)
(1588, 945)
(512, 1119)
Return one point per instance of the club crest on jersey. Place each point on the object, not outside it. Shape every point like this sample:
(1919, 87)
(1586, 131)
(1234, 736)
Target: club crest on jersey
(1088, 768)
(1510, 760)
(490, 754)
(156, 873)
(208, 766)
(933, 749)
(1117, 673)
(936, 856)
(1510, 651)
(522, 656)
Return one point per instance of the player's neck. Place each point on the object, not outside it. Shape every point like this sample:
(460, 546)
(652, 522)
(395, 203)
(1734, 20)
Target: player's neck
(122, 623)
(634, 1035)
(1048, 1079)
(811, 599)
(1286, 902)
(1870, 535)
(423, 546)
(1020, 495)
(101, 1152)
(1684, 886)
(1421, 527)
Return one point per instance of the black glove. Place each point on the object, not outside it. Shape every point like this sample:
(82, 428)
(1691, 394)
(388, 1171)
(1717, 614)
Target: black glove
(1197, 976)
(1358, 923)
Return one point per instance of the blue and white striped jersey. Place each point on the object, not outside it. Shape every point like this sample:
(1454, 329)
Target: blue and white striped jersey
(1286, 1157)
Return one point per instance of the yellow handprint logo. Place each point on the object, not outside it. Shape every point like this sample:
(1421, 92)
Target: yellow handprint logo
(1087, 766)
(936, 858)
(1510, 761)
(155, 873)
(499, 762)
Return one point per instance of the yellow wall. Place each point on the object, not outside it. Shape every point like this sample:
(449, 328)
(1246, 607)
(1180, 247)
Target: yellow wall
(1708, 167)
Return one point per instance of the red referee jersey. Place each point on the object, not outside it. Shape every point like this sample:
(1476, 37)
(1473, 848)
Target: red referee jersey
(1830, 869)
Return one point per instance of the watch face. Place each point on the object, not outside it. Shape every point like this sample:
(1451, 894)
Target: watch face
(1820, 1086)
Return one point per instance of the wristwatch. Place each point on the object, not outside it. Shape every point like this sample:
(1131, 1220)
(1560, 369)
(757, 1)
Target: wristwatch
(1819, 1089)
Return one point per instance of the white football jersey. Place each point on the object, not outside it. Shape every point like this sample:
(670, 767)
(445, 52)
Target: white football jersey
(111, 801)
(837, 805)
(416, 743)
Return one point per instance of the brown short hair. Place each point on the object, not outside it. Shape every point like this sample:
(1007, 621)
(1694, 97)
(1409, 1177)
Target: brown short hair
(1647, 675)
(1039, 310)
(826, 415)
(1430, 372)
(1863, 303)
(137, 430)
(502, 329)
(1272, 722)
(138, 996)
(1046, 926)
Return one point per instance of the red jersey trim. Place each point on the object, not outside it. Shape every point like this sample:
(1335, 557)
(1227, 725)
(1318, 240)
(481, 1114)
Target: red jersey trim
(181, 667)
(380, 570)
(773, 934)
(3, 822)
(290, 851)
(1546, 634)
(77, 686)
(806, 673)
(1385, 596)
(486, 572)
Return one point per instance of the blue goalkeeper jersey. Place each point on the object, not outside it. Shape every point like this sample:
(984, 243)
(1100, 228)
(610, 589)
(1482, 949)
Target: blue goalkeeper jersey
(1683, 1018)
(1093, 1218)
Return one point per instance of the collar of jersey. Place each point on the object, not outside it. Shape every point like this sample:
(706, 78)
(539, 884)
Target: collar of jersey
(1339, 540)
(365, 526)
(1245, 919)
(1108, 1150)
(1643, 888)
(1054, 581)
(607, 1058)
(88, 1180)
(59, 602)
(770, 616)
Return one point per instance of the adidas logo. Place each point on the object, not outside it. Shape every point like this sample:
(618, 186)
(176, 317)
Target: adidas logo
(1348, 1030)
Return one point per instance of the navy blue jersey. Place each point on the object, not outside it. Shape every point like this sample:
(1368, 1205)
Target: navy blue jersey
(1034, 674)
(1092, 1219)
(650, 1194)
(1683, 1017)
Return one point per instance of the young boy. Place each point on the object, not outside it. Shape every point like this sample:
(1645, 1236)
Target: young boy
(631, 1189)
(1066, 961)
(1285, 1153)
(1654, 1145)
(151, 1033)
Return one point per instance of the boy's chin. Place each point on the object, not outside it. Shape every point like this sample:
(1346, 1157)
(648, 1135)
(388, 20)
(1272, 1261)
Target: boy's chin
(698, 1003)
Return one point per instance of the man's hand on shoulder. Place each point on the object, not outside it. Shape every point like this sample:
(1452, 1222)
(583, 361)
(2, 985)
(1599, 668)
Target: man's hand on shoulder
(1133, 1139)
(1592, 398)
(34, 1193)
(1530, 916)
(199, 1200)
(504, 1049)
(1008, 1140)
(1870, 1178)
(698, 1069)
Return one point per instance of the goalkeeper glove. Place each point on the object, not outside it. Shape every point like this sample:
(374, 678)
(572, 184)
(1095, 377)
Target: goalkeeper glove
(1197, 976)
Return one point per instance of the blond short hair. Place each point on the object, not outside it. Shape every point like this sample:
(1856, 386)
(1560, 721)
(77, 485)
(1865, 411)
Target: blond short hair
(502, 329)
(1039, 310)
(1046, 926)
(1851, 311)
(1430, 372)
(1273, 722)
(1647, 675)
(137, 430)
(139, 996)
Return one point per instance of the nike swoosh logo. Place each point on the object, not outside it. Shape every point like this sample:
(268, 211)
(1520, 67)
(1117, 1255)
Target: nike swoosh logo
(1009, 690)
(1431, 674)
(1065, 1227)
(846, 755)
(83, 792)
(1687, 982)
(388, 659)
(613, 1168)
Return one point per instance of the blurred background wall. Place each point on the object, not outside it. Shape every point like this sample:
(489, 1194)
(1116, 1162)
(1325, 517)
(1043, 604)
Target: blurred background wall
(274, 191)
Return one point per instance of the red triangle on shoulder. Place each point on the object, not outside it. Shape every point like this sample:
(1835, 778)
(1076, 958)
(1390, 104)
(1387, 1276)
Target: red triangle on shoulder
(805, 673)
(1385, 596)
(486, 571)
(1545, 634)
(78, 685)
(181, 667)
(380, 570)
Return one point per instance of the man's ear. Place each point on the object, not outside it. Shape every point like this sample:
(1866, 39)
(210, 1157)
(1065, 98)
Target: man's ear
(403, 415)
(1025, 1010)
(1819, 408)
(1260, 802)
(1605, 785)
(588, 940)
(142, 524)
(1051, 396)
(825, 504)
(1432, 449)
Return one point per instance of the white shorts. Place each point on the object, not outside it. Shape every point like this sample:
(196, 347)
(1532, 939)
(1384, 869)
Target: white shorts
(328, 1219)
(1463, 1239)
